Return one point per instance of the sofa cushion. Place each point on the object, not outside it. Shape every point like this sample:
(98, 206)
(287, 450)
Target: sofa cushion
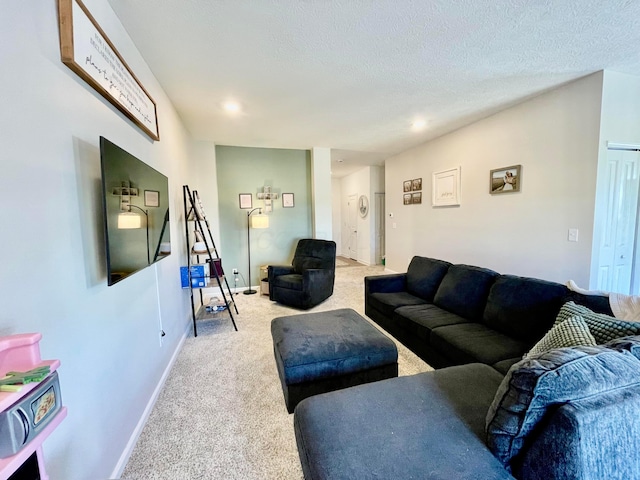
(569, 333)
(603, 327)
(464, 290)
(523, 308)
(419, 426)
(503, 366)
(388, 302)
(596, 303)
(475, 342)
(557, 377)
(314, 253)
(424, 276)
(421, 319)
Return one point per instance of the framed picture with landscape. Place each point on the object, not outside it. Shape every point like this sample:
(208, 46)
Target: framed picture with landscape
(505, 179)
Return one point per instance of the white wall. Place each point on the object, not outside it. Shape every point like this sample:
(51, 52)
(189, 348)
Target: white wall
(53, 263)
(336, 214)
(321, 193)
(554, 137)
(203, 178)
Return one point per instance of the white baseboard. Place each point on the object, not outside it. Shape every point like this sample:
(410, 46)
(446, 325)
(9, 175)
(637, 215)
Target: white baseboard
(128, 450)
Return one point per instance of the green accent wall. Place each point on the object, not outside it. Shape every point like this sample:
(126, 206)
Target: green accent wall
(248, 170)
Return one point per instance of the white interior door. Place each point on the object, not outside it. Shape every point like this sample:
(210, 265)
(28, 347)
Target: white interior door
(617, 242)
(352, 226)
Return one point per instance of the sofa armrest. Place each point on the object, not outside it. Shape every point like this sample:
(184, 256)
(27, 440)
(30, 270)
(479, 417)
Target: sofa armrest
(587, 439)
(396, 282)
(275, 270)
(317, 277)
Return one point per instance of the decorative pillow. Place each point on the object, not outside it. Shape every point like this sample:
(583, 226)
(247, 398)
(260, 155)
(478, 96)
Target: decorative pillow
(570, 333)
(534, 385)
(602, 327)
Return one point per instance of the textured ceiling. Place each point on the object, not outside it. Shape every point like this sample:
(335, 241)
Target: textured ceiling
(353, 75)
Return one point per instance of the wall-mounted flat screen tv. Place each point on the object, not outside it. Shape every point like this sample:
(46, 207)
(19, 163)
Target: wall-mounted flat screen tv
(136, 212)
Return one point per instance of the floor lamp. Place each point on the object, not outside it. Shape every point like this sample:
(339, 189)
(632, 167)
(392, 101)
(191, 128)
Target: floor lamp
(257, 221)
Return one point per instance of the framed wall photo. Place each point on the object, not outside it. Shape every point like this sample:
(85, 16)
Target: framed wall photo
(151, 198)
(406, 199)
(446, 188)
(505, 179)
(287, 200)
(246, 200)
(416, 198)
(416, 184)
(406, 185)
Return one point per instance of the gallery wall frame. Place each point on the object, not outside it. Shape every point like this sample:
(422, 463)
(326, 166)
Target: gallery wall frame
(245, 200)
(151, 198)
(446, 188)
(505, 180)
(287, 200)
(406, 185)
(86, 49)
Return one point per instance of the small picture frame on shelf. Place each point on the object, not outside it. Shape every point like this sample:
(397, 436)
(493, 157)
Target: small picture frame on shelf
(151, 198)
(245, 200)
(287, 200)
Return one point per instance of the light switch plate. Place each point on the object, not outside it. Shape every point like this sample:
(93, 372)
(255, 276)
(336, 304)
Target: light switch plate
(573, 235)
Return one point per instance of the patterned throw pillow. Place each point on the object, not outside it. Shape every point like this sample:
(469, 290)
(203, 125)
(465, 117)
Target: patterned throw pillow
(603, 327)
(570, 333)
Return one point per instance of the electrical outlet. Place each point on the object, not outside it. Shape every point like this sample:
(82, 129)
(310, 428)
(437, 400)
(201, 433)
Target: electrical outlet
(235, 271)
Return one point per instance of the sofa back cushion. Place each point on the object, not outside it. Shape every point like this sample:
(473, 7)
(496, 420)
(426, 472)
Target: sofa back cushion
(464, 290)
(523, 308)
(538, 384)
(596, 303)
(313, 253)
(424, 276)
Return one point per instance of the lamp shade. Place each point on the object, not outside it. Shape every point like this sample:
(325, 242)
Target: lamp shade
(259, 221)
(129, 220)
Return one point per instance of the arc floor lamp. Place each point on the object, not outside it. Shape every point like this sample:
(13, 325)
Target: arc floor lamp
(257, 221)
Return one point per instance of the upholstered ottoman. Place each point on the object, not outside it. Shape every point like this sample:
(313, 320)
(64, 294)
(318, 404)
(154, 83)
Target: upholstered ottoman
(321, 352)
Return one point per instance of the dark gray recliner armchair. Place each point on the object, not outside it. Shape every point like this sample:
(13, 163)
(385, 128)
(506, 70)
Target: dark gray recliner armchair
(309, 280)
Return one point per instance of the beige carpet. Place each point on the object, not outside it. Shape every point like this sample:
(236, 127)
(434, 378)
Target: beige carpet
(221, 414)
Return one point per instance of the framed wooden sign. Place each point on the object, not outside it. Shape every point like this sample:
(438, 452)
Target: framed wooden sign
(86, 49)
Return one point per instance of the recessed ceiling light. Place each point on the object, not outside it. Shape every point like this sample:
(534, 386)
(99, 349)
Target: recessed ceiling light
(418, 124)
(232, 107)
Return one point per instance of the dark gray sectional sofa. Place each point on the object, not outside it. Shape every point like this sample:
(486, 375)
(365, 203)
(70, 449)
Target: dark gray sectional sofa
(456, 314)
(568, 413)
